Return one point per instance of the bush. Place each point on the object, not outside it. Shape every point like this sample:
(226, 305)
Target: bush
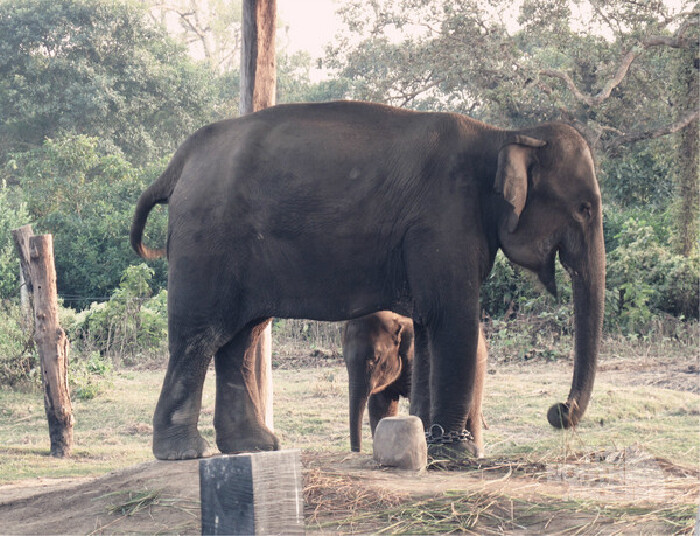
(84, 196)
(89, 377)
(130, 326)
(510, 289)
(18, 358)
(644, 279)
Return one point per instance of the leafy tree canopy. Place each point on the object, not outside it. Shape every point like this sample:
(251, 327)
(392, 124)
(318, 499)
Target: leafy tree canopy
(606, 67)
(98, 68)
(85, 197)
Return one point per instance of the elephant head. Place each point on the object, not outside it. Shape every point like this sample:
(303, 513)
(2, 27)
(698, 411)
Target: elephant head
(377, 350)
(546, 176)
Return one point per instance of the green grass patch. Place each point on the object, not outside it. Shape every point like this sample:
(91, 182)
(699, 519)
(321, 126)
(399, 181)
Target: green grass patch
(113, 429)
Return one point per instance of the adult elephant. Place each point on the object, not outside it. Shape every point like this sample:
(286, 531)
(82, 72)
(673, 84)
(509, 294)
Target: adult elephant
(332, 211)
(378, 352)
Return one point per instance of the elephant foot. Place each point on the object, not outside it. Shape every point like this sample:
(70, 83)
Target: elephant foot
(455, 452)
(180, 446)
(452, 446)
(260, 440)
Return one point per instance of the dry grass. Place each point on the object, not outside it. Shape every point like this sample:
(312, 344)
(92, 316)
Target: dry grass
(329, 497)
(630, 467)
(520, 495)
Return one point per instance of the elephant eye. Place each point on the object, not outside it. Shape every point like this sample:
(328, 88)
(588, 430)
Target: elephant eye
(585, 209)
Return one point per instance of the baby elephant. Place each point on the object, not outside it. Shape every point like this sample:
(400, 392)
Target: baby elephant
(378, 351)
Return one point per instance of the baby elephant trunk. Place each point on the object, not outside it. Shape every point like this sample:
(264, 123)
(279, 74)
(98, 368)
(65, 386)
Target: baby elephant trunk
(358, 401)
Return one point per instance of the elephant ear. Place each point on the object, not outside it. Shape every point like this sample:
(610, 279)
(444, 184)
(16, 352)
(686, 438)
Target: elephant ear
(514, 158)
(396, 332)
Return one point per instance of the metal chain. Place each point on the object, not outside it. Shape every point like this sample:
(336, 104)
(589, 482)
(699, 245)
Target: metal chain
(437, 436)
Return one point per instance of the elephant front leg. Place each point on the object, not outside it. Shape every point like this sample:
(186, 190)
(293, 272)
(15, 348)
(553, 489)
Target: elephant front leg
(382, 404)
(175, 434)
(453, 348)
(238, 418)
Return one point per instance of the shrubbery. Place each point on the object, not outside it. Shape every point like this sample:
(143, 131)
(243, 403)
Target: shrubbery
(88, 377)
(17, 355)
(646, 279)
(131, 326)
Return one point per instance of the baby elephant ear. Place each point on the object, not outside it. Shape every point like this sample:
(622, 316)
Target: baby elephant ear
(511, 177)
(396, 332)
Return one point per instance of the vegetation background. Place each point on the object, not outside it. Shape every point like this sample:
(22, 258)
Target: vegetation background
(97, 94)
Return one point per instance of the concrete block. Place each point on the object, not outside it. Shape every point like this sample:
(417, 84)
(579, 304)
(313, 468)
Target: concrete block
(400, 442)
(252, 493)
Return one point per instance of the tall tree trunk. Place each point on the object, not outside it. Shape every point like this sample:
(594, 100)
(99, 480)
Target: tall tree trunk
(687, 194)
(257, 91)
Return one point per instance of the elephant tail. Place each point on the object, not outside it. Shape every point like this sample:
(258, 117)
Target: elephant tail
(158, 192)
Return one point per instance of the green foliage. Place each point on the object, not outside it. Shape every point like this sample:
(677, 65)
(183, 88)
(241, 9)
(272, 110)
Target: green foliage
(509, 290)
(642, 177)
(131, 326)
(85, 196)
(17, 355)
(645, 279)
(99, 68)
(13, 214)
(88, 378)
(522, 319)
(294, 81)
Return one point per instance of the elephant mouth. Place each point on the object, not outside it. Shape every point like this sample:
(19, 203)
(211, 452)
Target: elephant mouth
(546, 273)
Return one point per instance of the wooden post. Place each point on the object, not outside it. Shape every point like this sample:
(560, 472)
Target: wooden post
(253, 493)
(258, 55)
(257, 91)
(52, 344)
(21, 237)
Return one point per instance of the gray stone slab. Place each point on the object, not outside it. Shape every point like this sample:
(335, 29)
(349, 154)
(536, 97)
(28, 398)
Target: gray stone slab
(252, 493)
(400, 442)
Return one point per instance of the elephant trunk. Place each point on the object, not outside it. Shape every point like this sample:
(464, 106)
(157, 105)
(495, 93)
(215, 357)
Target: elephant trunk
(358, 401)
(588, 279)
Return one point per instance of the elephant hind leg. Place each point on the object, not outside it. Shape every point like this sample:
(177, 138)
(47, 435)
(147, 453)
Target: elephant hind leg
(238, 419)
(175, 434)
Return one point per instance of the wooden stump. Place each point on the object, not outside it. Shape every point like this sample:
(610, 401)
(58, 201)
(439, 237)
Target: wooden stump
(52, 344)
(252, 493)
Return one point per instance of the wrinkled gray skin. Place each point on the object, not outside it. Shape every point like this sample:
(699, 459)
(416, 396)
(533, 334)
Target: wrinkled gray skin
(378, 351)
(337, 210)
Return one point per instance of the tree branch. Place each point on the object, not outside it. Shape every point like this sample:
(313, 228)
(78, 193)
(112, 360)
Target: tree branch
(673, 41)
(632, 137)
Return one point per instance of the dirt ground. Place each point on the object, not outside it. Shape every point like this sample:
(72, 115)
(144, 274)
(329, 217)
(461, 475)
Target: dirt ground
(349, 493)
(163, 497)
